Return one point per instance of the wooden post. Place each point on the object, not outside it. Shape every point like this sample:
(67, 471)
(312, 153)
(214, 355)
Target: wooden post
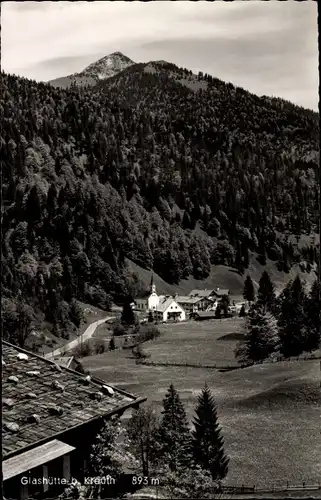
(66, 467)
(45, 477)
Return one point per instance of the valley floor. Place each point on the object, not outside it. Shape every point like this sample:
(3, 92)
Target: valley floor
(269, 413)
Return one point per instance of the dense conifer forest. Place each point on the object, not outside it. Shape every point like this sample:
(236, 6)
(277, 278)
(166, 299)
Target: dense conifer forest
(174, 171)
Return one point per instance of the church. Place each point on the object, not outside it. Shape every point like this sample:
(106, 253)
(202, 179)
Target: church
(163, 307)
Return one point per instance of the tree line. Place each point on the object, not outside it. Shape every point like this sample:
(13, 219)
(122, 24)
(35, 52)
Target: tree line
(92, 178)
(289, 324)
(190, 463)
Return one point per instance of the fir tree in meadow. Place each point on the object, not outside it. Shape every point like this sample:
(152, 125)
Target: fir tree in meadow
(313, 314)
(266, 293)
(261, 336)
(174, 434)
(248, 291)
(112, 346)
(242, 312)
(142, 432)
(127, 315)
(293, 322)
(208, 443)
(106, 459)
(218, 311)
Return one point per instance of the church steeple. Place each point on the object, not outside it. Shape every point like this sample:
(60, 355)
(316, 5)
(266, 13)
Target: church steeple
(152, 285)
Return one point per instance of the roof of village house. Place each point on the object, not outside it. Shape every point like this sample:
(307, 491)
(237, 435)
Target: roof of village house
(221, 291)
(206, 293)
(41, 399)
(187, 299)
(205, 314)
(164, 303)
(201, 293)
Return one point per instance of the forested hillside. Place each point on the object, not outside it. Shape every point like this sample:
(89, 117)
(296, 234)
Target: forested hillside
(172, 171)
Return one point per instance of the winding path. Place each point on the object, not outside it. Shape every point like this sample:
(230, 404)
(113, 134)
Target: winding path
(89, 332)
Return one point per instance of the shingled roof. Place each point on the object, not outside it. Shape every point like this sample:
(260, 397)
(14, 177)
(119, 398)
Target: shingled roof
(186, 299)
(41, 399)
(201, 293)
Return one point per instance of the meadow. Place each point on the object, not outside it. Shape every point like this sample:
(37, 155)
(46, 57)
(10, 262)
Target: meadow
(269, 413)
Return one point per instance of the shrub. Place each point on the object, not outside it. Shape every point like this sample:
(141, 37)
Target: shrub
(83, 349)
(118, 330)
(242, 312)
(149, 333)
(112, 346)
(76, 313)
(139, 353)
(99, 346)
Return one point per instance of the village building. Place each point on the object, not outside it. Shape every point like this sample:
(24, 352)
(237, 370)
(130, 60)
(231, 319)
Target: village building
(163, 307)
(179, 307)
(168, 309)
(221, 292)
(193, 304)
(203, 315)
(216, 293)
(50, 416)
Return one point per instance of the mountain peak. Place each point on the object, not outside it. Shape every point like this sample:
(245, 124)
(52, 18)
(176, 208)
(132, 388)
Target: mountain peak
(107, 66)
(104, 68)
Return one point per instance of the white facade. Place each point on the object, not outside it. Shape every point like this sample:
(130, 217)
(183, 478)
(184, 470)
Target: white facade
(153, 300)
(164, 307)
(169, 310)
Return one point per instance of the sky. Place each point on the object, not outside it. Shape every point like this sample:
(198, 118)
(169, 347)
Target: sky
(268, 48)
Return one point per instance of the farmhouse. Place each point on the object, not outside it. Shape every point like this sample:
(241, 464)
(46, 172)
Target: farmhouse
(193, 304)
(164, 307)
(210, 294)
(220, 292)
(178, 307)
(203, 315)
(50, 415)
(201, 293)
(168, 310)
(141, 305)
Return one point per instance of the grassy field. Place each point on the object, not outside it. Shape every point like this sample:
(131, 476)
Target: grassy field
(270, 413)
(217, 339)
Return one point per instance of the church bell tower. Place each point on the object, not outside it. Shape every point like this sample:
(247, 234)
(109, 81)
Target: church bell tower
(153, 298)
(152, 285)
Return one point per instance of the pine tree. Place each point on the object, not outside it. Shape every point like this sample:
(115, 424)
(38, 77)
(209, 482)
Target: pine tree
(261, 336)
(142, 433)
(208, 444)
(174, 434)
(266, 293)
(313, 315)
(242, 312)
(292, 318)
(128, 315)
(248, 291)
(106, 459)
(112, 346)
(225, 304)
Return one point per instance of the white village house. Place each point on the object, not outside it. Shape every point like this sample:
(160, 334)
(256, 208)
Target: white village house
(163, 307)
(179, 307)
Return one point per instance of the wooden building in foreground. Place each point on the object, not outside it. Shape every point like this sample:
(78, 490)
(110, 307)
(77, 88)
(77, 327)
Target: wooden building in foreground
(50, 416)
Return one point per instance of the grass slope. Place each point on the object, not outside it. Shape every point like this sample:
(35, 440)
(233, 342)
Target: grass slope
(270, 414)
(222, 277)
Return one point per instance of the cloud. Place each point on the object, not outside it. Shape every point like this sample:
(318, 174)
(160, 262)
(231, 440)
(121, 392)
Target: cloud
(266, 47)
